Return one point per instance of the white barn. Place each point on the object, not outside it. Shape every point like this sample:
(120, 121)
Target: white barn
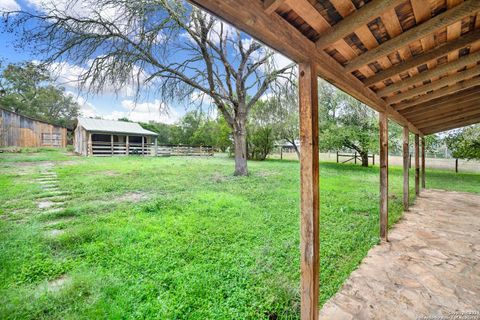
(96, 137)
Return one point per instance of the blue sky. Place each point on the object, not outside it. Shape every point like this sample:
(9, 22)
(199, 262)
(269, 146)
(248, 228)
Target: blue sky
(107, 105)
(111, 105)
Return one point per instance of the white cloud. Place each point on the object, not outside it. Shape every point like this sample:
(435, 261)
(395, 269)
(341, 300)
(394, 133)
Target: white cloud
(87, 109)
(145, 111)
(66, 74)
(8, 6)
(84, 8)
(201, 98)
(69, 76)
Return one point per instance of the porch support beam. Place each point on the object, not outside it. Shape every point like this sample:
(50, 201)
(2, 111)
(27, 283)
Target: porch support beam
(383, 125)
(423, 162)
(111, 144)
(309, 192)
(406, 156)
(127, 145)
(417, 165)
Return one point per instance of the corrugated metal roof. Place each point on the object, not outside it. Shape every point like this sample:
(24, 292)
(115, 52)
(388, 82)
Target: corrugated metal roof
(99, 125)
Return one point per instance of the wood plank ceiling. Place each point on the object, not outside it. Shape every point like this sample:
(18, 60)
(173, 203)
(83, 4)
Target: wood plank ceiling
(418, 60)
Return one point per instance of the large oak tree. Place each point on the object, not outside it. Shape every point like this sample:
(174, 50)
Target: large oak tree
(162, 46)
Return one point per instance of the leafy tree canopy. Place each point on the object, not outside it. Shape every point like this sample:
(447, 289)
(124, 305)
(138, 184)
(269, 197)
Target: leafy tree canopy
(29, 89)
(465, 143)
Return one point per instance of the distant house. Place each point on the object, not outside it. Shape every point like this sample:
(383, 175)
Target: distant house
(112, 138)
(20, 131)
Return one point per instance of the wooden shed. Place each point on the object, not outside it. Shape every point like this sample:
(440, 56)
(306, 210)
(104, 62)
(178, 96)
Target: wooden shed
(21, 131)
(97, 137)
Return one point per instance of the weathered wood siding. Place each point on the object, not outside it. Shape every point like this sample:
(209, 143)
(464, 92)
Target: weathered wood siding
(80, 141)
(19, 131)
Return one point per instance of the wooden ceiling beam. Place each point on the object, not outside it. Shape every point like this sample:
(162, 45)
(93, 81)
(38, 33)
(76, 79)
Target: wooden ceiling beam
(465, 95)
(430, 74)
(463, 122)
(459, 76)
(423, 58)
(440, 93)
(361, 17)
(467, 8)
(272, 30)
(440, 111)
(272, 5)
(466, 111)
(310, 14)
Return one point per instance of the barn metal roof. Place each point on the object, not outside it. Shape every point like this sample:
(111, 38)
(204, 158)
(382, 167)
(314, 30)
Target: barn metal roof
(111, 126)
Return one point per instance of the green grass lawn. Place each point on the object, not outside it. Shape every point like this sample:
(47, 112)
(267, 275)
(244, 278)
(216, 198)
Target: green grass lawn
(180, 237)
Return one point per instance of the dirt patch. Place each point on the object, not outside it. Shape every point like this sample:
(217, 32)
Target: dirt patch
(52, 223)
(265, 173)
(57, 284)
(45, 204)
(134, 197)
(106, 173)
(218, 178)
(55, 232)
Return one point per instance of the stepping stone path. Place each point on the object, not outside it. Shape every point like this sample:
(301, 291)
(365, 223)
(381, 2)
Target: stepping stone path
(52, 199)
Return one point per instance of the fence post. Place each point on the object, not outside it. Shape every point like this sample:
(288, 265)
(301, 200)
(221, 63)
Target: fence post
(337, 156)
(89, 145)
(456, 165)
(373, 158)
(156, 147)
(281, 152)
(355, 161)
(410, 162)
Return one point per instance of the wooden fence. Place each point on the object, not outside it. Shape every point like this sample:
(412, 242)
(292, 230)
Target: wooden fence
(147, 149)
(181, 150)
(353, 157)
(121, 149)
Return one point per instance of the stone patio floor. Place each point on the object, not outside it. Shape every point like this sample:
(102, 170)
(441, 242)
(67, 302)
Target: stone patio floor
(429, 268)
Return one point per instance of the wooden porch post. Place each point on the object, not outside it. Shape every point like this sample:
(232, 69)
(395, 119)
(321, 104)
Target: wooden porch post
(309, 192)
(406, 149)
(423, 162)
(143, 145)
(383, 126)
(111, 143)
(417, 166)
(127, 145)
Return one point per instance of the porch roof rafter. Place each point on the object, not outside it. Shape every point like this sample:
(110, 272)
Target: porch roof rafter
(376, 53)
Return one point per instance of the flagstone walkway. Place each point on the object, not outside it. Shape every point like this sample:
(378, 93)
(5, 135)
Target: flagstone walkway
(429, 268)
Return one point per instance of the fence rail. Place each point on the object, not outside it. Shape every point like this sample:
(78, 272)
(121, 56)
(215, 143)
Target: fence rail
(98, 148)
(353, 156)
(185, 151)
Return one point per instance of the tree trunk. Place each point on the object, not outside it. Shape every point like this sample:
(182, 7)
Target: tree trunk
(295, 147)
(364, 159)
(240, 141)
